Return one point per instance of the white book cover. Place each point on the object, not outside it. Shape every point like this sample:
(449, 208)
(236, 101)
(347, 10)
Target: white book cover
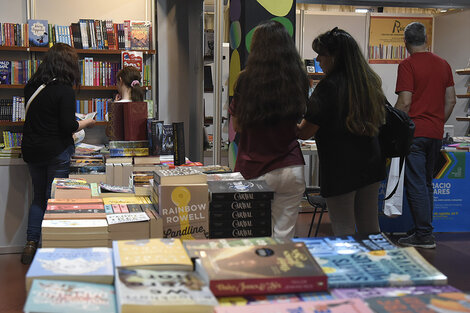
(78, 223)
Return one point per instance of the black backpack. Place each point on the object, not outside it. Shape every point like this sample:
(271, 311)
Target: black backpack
(396, 135)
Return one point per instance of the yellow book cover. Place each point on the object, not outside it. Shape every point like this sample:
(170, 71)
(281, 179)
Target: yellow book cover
(155, 253)
(125, 200)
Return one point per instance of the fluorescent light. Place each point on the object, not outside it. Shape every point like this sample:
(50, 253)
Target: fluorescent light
(362, 10)
(443, 10)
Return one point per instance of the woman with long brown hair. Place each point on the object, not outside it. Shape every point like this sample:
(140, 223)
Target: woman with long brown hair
(345, 113)
(270, 98)
(50, 122)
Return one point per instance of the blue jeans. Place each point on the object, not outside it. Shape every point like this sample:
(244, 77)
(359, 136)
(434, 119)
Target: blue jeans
(419, 173)
(42, 175)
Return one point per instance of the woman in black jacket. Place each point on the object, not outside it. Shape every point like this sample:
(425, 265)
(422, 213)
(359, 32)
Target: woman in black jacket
(50, 122)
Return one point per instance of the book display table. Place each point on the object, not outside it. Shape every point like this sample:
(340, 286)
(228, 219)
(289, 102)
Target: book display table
(451, 197)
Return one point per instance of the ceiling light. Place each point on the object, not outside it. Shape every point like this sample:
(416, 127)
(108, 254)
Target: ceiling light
(362, 10)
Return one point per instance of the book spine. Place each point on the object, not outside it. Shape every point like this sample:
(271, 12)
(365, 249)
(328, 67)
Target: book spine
(179, 156)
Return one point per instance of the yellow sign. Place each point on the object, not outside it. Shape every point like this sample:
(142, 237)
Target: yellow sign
(386, 37)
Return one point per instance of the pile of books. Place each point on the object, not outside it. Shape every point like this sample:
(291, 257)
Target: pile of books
(239, 208)
(330, 274)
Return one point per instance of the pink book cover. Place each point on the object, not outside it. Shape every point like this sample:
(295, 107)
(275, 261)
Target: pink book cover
(330, 306)
(116, 208)
(124, 208)
(91, 206)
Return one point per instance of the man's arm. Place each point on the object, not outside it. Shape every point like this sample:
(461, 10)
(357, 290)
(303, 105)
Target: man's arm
(404, 101)
(306, 130)
(449, 102)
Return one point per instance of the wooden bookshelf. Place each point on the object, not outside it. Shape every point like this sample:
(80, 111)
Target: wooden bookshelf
(316, 76)
(20, 86)
(80, 51)
(465, 71)
(467, 95)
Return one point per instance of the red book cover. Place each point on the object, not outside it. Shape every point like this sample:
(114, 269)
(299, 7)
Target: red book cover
(135, 121)
(268, 269)
(115, 127)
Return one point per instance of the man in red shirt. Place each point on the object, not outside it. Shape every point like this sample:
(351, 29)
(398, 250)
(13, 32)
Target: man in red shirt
(425, 89)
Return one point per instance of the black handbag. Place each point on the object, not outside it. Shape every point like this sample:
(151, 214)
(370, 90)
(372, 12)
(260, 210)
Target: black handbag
(396, 135)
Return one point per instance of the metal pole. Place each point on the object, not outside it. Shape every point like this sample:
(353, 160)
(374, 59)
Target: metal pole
(217, 123)
(301, 33)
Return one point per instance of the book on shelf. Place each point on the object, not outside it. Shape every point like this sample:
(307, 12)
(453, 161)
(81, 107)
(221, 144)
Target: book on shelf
(267, 269)
(179, 175)
(373, 292)
(140, 290)
(320, 306)
(135, 59)
(155, 254)
(323, 246)
(94, 265)
(50, 296)
(38, 33)
(445, 302)
(239, 190)
(381, 268)
(5, 73)
(140, 35)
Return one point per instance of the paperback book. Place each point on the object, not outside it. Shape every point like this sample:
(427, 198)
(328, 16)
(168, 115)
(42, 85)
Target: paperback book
(155, 253)
(55, 296)
(239, 190)
(139, 290)
(364, 293)
(277, 298)
(38, 33)
(381, 268)
(84, 264)
(267, 269)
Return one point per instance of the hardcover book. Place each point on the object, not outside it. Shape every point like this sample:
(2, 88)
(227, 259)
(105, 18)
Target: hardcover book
(381, 268)
(254, 270)
(38, 33)
(155, 253)
(115, 126)
(167, 146)
(194, 246)
(139, 290)
(84, 264)
(5, 73)
(133, 58)
(239, 190)
(277, 298)
(324, 246)
(327, 306)
(140, 35)
(50, 296)
(179, 175)
(446, 302)
(155, 135)
(184, 210)
(135, 121)
(179, 155)
(56, 229)
(365, 293)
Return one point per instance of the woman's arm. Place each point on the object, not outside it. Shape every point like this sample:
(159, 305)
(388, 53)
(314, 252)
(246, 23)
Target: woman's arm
(306, 130)
(86, 124)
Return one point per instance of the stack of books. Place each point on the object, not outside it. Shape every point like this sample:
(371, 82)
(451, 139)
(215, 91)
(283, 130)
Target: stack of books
(181, 197)
(240, 208)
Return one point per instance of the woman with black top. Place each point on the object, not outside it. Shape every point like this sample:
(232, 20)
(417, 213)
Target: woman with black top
(50, 122)
(345, 112)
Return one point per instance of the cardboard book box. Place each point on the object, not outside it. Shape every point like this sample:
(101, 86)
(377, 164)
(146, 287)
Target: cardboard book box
(184, 210)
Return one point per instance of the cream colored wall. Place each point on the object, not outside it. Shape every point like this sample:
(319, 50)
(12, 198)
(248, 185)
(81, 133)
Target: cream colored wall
(13, 11)
(451, 42)
(64, 12)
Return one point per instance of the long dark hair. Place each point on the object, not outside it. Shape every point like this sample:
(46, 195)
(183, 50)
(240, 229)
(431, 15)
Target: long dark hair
(130, 77)
(365, 98)
(274, 85)
(60, 62)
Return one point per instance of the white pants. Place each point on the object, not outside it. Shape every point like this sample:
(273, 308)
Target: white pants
(288, 184)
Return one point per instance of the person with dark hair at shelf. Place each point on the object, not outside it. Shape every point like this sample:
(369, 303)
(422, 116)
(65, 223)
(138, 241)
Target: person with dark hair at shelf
(345, 112)
(128, 85)
(270, 98)
(425, 89)
(50, 122)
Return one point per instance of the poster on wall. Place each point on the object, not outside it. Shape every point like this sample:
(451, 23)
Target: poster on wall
(386, 41)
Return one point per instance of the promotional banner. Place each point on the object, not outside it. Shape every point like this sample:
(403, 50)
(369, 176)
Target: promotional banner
(386, 39)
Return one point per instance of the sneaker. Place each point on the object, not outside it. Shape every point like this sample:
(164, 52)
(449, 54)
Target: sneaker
(29, 251)
(415, 241)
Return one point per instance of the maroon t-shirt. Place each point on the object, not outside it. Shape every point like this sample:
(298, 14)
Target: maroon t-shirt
(427, 76)
(265, 148)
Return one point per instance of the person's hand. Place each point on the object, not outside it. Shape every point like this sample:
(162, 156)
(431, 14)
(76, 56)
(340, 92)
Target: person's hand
(90, 123)
(117, 97)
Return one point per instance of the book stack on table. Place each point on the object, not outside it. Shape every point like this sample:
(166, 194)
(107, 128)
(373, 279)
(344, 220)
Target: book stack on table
(240, 209)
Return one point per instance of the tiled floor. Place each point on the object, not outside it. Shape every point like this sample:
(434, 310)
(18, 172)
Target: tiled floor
(451, 256)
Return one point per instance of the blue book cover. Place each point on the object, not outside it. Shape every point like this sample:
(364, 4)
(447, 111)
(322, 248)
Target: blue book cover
(55, 296)
(5, 72)
(398, 267)
(324, 246)
(81, 264)
(318, 69)
(38, 33)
